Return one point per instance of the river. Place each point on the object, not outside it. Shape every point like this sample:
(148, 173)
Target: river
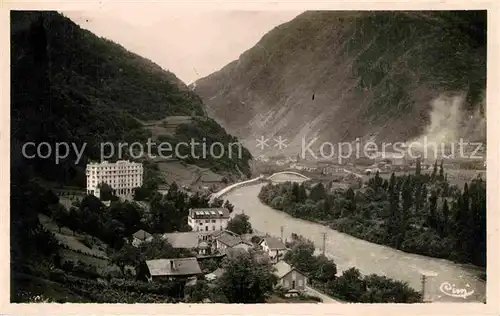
(347, 251)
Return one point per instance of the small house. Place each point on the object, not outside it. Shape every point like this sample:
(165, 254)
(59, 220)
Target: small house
(290, 278)
(208, 219)
(141, 236)
(274, 247)
(168, 269)
(198, 241)
(226, 240)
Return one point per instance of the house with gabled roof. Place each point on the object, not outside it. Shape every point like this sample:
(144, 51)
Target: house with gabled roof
(208, 219)
(274, 247)
(225, 240)
(141, 236)
(290, 278)
(168, 269)
(198, 241)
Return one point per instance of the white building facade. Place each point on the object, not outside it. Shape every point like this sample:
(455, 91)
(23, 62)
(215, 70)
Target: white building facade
(208, 219)
(123, 176)
(274, 247)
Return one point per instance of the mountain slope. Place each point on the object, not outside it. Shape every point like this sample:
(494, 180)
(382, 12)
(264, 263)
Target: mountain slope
(69, 85)
(343, 75)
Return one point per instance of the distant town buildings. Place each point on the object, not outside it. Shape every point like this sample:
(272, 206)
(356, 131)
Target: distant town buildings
(122, 176)
(395, 159)
(305, 166)
(208, 219)
(329, 170)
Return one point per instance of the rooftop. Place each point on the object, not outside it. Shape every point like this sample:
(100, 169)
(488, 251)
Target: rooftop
(142, 234)
(208, 213)
(173, 267)
(273, 242)
(282, 269)
(229, 239)
(187, 240)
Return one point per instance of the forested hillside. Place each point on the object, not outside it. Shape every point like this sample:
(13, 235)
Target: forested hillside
(69, 85)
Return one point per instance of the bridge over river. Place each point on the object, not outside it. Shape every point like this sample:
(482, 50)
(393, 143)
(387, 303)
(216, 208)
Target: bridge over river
(368, 257)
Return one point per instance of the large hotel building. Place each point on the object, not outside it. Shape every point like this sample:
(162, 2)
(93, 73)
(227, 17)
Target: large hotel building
(123, 176)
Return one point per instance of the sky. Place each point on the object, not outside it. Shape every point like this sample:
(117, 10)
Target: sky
(191, 44)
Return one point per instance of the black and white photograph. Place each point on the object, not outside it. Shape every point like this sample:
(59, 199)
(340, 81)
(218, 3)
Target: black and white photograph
(214, 156)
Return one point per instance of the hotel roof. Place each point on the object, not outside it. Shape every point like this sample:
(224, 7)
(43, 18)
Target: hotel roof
(209, 213)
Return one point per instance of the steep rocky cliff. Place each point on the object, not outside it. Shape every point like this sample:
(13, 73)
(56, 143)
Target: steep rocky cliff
(389, 76)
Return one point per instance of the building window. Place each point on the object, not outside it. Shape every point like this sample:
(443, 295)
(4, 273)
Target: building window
(213, 221)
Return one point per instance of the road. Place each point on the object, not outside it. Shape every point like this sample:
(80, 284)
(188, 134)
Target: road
(325, 298)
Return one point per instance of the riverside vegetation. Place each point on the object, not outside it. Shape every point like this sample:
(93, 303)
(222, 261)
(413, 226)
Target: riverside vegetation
(417, 213)
(350, 286)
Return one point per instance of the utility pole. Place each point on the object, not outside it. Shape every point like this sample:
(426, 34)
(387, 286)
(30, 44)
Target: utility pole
(281, 233)
(324, 242)
(423, 287)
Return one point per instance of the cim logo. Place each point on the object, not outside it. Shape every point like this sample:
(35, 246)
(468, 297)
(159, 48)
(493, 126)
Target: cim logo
(450, 290)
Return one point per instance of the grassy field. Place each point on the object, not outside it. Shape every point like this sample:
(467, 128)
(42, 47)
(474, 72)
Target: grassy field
(78, 251)
(26, 286)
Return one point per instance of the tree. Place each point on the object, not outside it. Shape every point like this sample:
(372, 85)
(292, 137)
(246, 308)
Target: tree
(92, 203)
(158, 248)
(318, 192)
(127, 255)
(301, 253)
(393, 222)
(380, 289)
(432, 210)
(141, 193)
(434, 171)
(350, 285)
(197, 293)
(229, 206)
(60, 215)
(106, 192)
(418, 167)
(240, 224)
(127, 213)
(217, 202)
(446, 214)
(325, 269)
(441, 171)
(246, 280)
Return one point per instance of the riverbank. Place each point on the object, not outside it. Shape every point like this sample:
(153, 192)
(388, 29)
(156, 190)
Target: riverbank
(401, 214)
(337, 226)
(369, 258)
